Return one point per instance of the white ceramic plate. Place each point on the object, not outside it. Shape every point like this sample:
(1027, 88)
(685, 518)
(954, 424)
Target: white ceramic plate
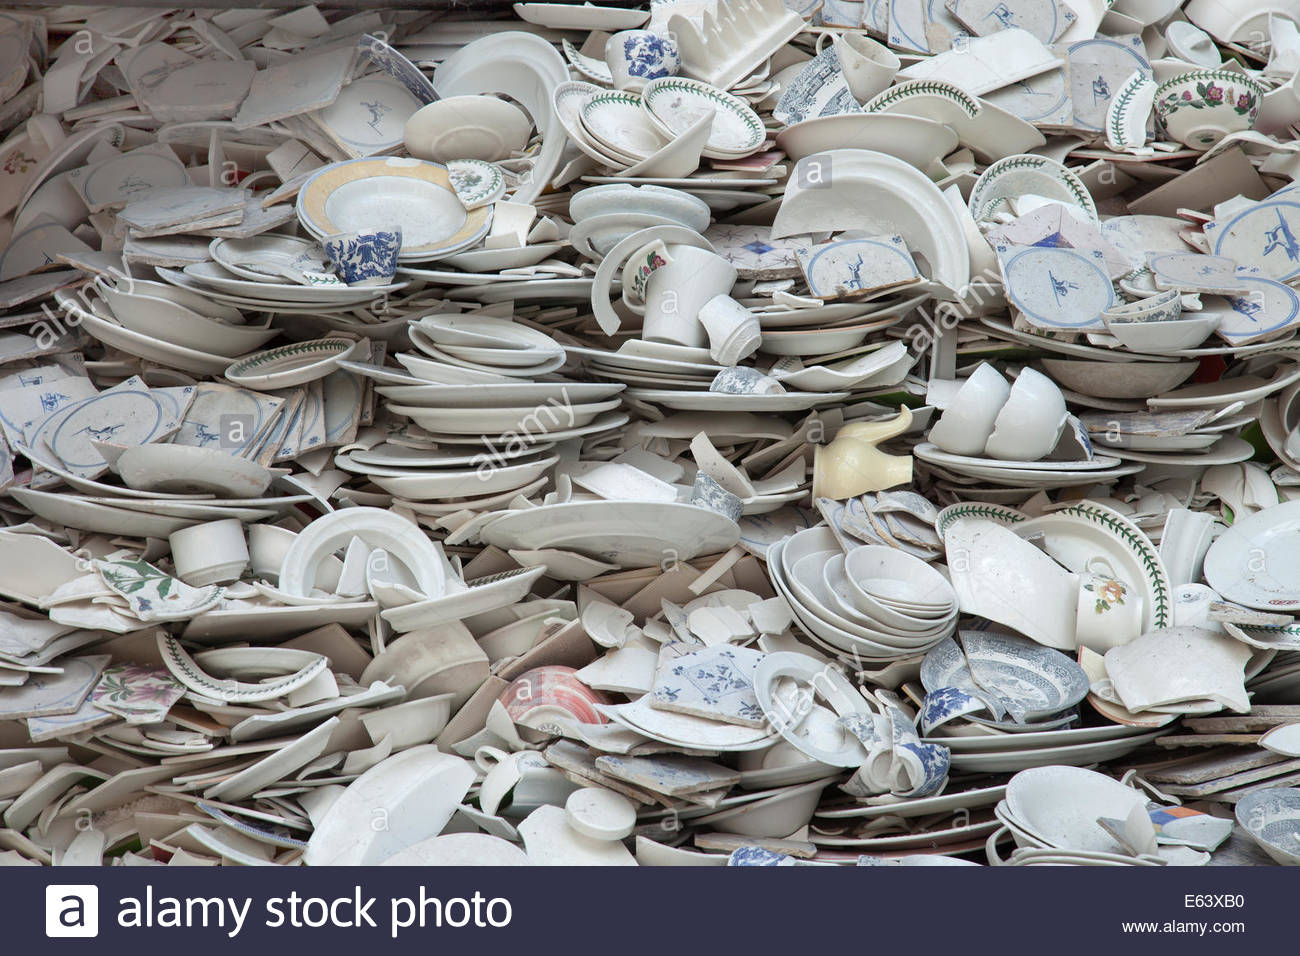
(262, 257)
(1014, 761)
(630, 534)
(691, 400)
(216, 277)
(1255, 562)
(532, 422)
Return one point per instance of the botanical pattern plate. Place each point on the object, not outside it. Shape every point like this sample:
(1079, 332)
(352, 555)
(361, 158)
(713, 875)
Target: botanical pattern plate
(1027, 175)
(677, 104)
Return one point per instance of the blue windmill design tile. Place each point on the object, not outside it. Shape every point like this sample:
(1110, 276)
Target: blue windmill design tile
(714, 682)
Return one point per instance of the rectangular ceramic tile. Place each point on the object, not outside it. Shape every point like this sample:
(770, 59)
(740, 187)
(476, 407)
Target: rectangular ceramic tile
(715, 682)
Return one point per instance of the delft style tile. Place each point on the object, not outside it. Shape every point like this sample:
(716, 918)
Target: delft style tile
(1266, 235)
(227, 418)
(86, 717)
(1045, 19)
(1097, 69)
(846, 14)
(668, 774)
(1043, 100)
(753, 251)
(1054, 227)
(1194, 272)
(716, 682)
(1055, 287)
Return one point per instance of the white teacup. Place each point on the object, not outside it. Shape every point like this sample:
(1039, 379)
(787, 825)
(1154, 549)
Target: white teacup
(1031, 421)
(1109, 612)
(868, 66)
(211, 553)
(676, 292)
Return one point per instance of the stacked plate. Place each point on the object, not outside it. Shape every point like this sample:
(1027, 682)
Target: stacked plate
(270, 293)
(1023, 474)
(445, 475)
(605, 215)
(998, 752)
(872, 603)
(474, 381)
(114, 509)
(160, 330)
(627, 534)
(650, 365)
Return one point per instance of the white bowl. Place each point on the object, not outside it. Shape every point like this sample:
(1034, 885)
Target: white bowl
(1059, 806)
(1031, 421)
(183, 297)
(1155, 337)
(966, 424)
(879, 572)
(167, 321)
(1119, 379)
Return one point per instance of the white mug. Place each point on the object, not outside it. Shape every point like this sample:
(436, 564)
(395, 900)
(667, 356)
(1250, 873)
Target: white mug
(1109, 612)
(676, 292)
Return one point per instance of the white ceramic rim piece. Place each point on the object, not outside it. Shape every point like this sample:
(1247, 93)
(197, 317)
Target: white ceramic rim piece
(377, 528)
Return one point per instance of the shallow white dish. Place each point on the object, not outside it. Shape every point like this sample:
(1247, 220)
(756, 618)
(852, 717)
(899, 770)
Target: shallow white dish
(410, 193)
(190, 470)
(917, 141)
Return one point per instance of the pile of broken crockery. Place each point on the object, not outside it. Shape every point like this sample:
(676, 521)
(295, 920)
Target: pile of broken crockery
(728, 433)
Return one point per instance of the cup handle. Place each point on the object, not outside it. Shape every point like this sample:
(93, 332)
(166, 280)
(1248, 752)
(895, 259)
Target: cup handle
(991, 847)
(1100, 567)
(487, 758)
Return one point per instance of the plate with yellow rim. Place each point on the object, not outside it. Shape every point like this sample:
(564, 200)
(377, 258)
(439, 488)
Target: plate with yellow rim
(414, 194)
